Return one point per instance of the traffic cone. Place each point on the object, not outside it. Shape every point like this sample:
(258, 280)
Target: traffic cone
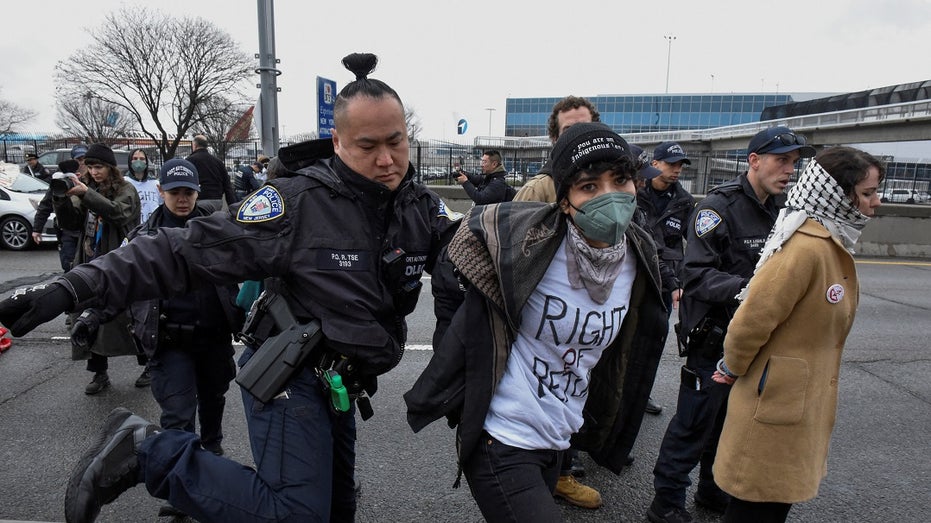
(5, 343)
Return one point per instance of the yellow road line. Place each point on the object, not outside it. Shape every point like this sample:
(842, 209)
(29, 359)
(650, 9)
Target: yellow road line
(876, 262)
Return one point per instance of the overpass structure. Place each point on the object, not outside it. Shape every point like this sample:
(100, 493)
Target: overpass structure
(907, 121)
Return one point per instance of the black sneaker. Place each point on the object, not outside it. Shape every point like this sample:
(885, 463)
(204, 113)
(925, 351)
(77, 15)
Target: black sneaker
(712, 498)
(144, 379)
(660, 513)
(653, 407)
(100, 383)
(108, 468)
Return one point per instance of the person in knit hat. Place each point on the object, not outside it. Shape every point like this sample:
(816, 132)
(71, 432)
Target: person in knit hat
(544, 329)
(104, 207)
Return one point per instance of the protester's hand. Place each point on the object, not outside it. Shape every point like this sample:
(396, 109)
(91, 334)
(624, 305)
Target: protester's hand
(676, 296)
(37, 237)
(84, 331)
(30, 307)
(461, 177)
(723, 374)
(723, 378)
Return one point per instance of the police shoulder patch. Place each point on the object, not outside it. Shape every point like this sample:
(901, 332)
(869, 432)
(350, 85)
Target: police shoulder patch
(706, 221)
(264, 205)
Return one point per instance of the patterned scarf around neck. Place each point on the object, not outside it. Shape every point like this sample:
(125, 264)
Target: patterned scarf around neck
(592, 268)
(818, 196)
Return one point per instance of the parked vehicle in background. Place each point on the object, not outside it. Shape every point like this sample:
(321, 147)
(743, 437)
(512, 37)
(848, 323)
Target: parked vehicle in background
(903, 196)
(20, 195)
(51, 159)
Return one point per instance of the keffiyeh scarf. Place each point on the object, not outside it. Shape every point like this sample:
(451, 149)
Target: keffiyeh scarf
(592, 268)
(818, 196)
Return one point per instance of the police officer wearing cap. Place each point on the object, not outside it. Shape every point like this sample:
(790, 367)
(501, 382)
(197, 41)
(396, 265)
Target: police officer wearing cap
(668, 206)
(188, 338)
(35, 169)
(341, 240)
(723, 240)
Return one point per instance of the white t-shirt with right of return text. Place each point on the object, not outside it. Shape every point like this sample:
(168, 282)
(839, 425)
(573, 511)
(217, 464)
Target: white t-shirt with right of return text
(563, 332)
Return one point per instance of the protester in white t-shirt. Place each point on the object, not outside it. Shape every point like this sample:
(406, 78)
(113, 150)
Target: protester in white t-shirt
(559, 335)
(139, 175)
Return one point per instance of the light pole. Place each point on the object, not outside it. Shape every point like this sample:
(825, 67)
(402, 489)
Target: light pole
(669, 39)
(490, 110)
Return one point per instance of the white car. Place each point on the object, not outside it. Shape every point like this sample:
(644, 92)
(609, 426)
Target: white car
(903, 196)
(20, 195)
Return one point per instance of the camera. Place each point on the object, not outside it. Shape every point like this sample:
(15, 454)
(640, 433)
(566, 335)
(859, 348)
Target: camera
(61, 183)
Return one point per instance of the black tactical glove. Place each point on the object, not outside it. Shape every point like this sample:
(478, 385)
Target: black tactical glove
(30, 307)
(84, 330)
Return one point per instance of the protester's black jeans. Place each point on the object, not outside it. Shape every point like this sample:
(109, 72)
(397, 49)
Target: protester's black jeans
(511, 484)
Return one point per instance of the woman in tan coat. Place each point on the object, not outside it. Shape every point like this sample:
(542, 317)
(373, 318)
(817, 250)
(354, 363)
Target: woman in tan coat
(785, 341)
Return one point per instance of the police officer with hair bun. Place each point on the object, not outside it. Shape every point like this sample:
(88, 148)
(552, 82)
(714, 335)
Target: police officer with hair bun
(341, 240)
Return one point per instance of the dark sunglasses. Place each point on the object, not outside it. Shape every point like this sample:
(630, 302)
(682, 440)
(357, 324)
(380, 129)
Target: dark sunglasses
(784, 139)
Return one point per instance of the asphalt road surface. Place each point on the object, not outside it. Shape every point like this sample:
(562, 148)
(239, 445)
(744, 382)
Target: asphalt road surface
(879, 468)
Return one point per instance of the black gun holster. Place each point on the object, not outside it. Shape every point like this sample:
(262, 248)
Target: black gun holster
(280, 356)
(707, 338)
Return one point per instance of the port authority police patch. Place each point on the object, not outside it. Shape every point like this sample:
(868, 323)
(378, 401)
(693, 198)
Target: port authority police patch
(706, 221)
(262, 206)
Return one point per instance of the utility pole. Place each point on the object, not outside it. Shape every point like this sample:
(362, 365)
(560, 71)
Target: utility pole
(490, 110)
(268, 75)
(669, 39)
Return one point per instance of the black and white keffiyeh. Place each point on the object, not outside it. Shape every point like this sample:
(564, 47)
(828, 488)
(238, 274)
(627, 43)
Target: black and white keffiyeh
(592, 268)
(818, 196)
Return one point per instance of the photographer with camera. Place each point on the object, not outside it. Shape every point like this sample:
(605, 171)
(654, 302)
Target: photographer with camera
(67, 238)
(341, 240)
(104, 207)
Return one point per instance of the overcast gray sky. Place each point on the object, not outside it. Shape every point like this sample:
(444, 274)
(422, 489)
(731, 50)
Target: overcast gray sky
(455, 59)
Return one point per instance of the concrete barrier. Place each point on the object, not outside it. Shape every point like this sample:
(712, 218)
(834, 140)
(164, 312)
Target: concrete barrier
(897, 230)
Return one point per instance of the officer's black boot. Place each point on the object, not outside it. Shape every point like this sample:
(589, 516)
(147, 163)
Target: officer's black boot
(108, 468)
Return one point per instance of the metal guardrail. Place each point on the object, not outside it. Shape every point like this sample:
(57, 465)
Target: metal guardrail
(891, 113)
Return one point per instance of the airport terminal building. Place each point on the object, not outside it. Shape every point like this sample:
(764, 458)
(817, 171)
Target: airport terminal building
(645, 113)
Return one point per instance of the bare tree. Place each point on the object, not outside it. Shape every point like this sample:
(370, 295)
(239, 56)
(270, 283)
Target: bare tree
(162, 70)
(91, 118)
(216, 119)
(414, 125)
(12, 115)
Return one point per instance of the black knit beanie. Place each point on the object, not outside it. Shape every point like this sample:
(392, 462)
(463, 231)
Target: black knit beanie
(101, 153)
(581, 145)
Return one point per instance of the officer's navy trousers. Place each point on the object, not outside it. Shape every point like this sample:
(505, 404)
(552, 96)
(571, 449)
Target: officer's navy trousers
(691, 437)
(304, 454)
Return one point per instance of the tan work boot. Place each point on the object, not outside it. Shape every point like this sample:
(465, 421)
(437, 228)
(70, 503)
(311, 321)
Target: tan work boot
(575, 493)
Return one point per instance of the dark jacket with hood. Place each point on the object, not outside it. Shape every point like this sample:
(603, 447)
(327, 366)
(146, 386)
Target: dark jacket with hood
(503, 251)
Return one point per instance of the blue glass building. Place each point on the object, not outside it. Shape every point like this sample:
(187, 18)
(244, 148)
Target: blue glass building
(640, 113)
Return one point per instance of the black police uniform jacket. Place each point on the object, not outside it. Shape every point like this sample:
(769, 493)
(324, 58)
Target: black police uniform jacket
(668, 226)
(319, 233)
(225, 319)
(726, 232)
(503, 252)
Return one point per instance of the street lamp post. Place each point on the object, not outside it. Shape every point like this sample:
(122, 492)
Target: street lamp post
(490, 110)
(669, 39)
